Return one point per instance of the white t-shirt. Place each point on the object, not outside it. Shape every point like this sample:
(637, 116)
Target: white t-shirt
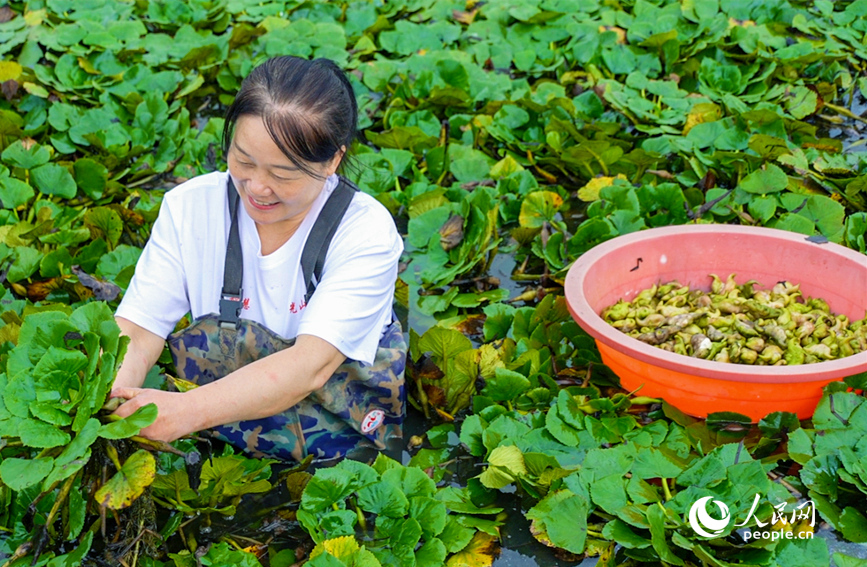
(181, 269)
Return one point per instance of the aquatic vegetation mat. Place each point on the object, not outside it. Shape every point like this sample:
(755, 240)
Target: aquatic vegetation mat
(506, 138)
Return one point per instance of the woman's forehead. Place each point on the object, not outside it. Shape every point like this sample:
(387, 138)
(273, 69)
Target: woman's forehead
(252, 138)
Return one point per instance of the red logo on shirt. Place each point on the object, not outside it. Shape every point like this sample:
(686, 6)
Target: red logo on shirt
(293, 308)
(246, 303)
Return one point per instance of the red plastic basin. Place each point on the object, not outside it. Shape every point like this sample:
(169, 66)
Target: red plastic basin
(622, 267)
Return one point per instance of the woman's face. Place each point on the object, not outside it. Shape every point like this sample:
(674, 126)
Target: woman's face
(275, 193)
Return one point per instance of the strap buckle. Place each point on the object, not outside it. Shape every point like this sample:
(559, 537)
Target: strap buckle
(230, 310)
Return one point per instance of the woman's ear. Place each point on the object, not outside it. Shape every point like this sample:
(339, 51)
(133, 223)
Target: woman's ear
(335, 161)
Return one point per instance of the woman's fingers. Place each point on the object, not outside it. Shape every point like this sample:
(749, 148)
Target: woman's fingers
(125, 393)
(127, 407)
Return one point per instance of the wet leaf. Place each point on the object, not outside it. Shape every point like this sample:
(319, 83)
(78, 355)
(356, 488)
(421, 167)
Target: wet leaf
(505, 465)
(384, 498)
(769, 179)
(35, 433)
(102, 290)
(539, 207)
(14, 192)
(91, 177)
(480, 552)
(802, 102)
(443, 344)
(560, 520)
(127, 484)
(18, 474)
(656, 519)
(104, 223)
(130, 425)
(853, 524)
(590, 192)
(26, 154)
(54, 179)
(452, 232)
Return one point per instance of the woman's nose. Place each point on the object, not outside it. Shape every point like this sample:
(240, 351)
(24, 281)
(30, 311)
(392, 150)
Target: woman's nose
(258, 185)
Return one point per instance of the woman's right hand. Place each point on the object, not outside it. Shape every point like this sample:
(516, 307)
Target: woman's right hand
(174, 418)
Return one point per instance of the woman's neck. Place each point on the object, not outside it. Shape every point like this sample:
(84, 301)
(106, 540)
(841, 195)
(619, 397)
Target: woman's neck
(272, 237)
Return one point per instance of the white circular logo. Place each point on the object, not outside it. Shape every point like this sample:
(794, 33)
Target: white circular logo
(372, 420)
(699, 519)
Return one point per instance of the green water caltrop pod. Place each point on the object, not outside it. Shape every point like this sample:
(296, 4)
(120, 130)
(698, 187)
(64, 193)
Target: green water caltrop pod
(739, 323)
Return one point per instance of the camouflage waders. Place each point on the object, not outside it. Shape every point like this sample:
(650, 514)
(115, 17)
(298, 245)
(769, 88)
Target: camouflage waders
(359, 406)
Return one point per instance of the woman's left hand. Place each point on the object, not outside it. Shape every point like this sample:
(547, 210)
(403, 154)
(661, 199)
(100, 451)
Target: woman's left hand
(175, 418)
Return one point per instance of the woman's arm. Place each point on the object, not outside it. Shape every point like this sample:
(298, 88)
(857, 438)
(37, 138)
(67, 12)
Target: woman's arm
(144, 349)
(261, 389)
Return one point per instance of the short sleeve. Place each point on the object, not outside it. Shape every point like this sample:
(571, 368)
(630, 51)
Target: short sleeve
(157, 295)
(353, 303)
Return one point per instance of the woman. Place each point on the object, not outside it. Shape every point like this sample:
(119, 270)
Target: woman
(282, 371)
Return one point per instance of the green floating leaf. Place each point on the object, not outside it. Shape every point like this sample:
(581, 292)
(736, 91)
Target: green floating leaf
(621, 532)
(333, 485)
(479, 552)
(341, 551)
(770, 179)
(35, 433)
(221, 554)
(505, 385)
(19, 154)
(443, 344)
(130, 425)
(807, 552)
(91, 177)
(656, 519)
(18, 474)
(853, 524)
(127, 484)
(75, 557)
(802, 102)
(842, 560)
(384, 498)
(26, 262)
(410, 138)
(560, 520)
(505, 465)
(538, 208)
(14, 192)
(75, 455)
(105, 223)
(54, 179)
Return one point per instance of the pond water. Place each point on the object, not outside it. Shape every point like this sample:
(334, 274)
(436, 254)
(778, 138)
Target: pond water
(851, 132)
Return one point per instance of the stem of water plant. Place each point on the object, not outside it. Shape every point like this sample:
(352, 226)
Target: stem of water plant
(845, 112)
(61, 497)
(665, 489)
(137, 544)
(360, 514)
(157, 445)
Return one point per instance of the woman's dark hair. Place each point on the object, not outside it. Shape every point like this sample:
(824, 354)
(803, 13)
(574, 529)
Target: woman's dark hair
(308, 108)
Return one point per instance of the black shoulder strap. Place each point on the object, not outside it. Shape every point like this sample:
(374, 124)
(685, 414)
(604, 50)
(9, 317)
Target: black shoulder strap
(312, 257)
(316, 247)
(233, 272)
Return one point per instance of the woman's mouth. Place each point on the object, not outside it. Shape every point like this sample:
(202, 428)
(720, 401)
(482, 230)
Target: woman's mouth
(262, 205)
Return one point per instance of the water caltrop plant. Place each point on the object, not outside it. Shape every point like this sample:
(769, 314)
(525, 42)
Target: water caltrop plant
(54, 384)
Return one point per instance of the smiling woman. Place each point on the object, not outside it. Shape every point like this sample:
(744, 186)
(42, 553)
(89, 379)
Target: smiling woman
(283, 371)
